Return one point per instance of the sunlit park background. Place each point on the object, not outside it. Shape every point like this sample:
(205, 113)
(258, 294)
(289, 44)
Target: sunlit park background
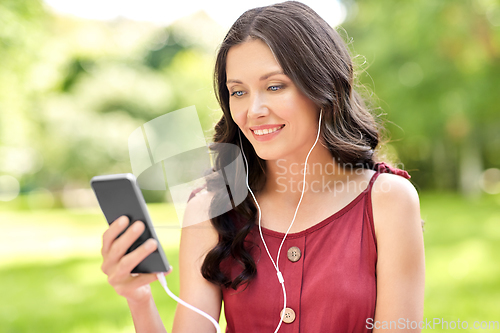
(77, 77)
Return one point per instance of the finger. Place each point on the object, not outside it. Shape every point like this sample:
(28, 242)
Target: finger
(125, 286)
(122, 244)
(115, 228)
(131, 260)
(142, 280)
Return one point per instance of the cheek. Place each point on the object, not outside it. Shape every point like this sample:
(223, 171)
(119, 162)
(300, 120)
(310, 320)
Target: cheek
(237, 112)
(290, 104)
(238, 117)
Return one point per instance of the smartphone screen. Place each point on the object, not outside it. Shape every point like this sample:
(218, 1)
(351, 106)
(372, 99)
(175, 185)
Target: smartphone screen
(120, 195)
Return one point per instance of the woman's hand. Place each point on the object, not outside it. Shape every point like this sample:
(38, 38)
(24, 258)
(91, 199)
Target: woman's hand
(118, 266)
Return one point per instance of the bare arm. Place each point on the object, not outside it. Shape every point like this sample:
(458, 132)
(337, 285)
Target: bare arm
(145, 316)
(196, 241)
(400, 248)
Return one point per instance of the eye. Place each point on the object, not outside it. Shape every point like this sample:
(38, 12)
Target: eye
(238, 93)
(275, 88)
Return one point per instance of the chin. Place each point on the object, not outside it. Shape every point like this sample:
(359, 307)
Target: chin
(269, 154)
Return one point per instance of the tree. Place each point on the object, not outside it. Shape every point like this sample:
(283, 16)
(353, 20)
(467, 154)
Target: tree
(434, 66)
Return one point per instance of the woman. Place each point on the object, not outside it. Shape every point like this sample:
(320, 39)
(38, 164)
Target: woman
(353, 256)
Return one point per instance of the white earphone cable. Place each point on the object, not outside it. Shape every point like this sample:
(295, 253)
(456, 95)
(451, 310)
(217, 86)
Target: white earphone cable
(163, 282)
(276, 264)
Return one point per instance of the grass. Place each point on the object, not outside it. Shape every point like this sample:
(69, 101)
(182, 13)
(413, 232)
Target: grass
(50, 278)
(462, 258)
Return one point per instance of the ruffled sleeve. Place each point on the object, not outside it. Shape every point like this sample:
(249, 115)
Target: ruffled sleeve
(385, 168)
(196, 191)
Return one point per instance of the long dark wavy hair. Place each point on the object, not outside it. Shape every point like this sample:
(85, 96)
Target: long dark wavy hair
(315, 57)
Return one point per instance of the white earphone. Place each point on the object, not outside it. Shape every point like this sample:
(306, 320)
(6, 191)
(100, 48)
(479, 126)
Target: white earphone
(276, 264)
(163, 282)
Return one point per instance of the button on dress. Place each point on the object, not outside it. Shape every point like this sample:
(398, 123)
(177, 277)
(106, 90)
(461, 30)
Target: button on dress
(329, 271)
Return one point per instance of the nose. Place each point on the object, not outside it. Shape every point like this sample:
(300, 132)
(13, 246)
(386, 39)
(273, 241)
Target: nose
(257, 106)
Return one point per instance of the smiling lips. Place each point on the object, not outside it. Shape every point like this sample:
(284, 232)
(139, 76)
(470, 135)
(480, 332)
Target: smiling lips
(266, 132)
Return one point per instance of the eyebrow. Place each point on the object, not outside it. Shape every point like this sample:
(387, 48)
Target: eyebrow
(263, 77)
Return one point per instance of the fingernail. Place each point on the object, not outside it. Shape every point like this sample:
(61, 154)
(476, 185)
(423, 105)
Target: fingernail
(150, 244)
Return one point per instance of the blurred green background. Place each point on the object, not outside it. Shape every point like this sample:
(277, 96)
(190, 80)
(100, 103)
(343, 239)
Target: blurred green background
(72, 90)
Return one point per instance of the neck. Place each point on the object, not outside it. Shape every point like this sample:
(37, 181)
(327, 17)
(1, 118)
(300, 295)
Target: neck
(285, 176)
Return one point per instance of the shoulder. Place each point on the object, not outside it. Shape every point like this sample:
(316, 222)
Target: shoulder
(394, 187)
(395, 204)
(400, 248)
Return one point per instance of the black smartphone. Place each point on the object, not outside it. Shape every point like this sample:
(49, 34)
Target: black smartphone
(120, 195)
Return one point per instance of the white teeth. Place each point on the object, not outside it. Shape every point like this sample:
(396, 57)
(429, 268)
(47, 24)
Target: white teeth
(267, 131)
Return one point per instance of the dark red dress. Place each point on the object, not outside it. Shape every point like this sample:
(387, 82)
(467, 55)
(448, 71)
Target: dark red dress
(329, 271)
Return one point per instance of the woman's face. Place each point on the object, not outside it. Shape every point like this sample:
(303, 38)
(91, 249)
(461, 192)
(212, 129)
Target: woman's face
(263, 99)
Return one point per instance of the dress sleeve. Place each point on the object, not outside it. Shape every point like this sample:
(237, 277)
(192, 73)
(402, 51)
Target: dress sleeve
(383, 167)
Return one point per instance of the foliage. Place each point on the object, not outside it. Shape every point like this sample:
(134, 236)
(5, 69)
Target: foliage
(75, 89)
(435, 67)
(72, 90)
